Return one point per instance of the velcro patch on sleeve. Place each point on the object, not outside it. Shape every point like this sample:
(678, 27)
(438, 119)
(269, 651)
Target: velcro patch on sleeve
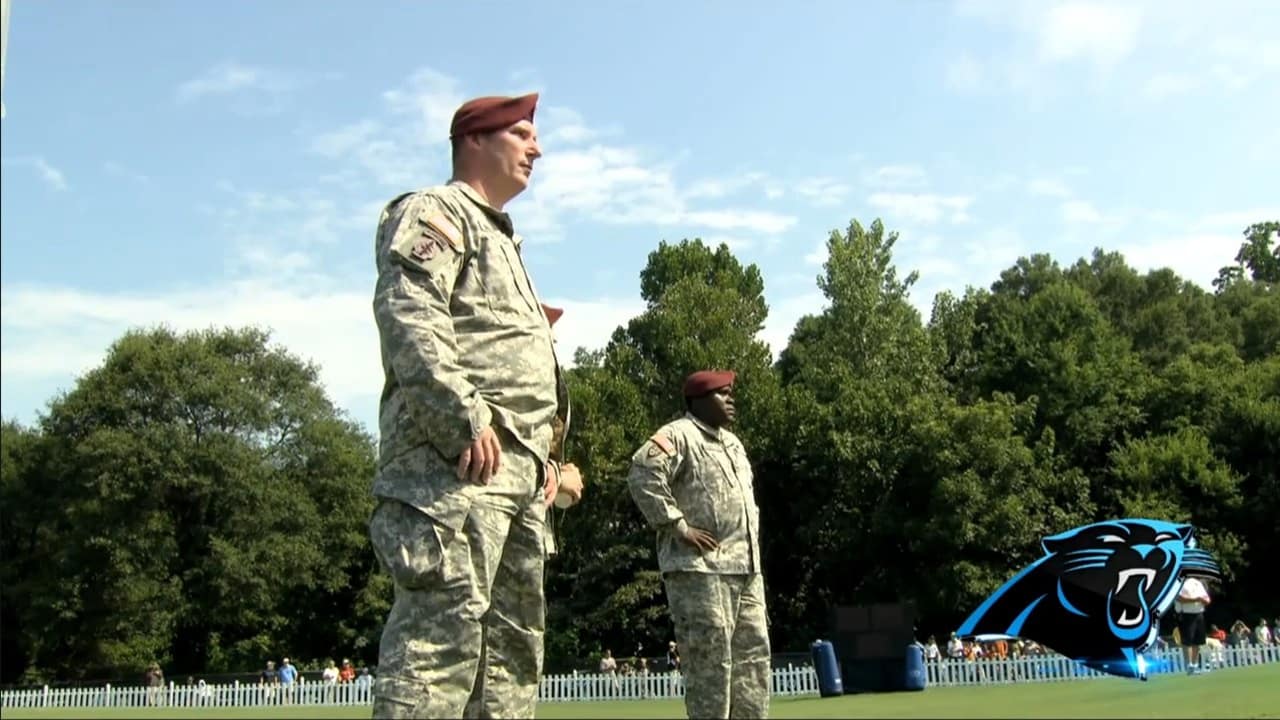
(446, 228)
(427, 249)
(663, 443)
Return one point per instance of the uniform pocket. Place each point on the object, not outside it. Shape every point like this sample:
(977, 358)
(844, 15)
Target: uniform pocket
(409, 544)
(504, 280)
(397, 697)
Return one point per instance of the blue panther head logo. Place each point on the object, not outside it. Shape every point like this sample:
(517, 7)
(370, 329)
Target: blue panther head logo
(1098, 593)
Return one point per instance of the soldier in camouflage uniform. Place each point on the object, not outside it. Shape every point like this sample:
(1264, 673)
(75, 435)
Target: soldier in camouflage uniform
(472, 398)
(692, 482)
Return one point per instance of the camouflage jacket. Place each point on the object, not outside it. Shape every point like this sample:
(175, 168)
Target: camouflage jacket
(690, 474)
(464, 340)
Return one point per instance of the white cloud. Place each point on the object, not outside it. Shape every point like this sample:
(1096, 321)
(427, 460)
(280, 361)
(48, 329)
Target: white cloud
(405, 145)
(822, 191)
(1080, 211)
(1236, 222)
(590, 323)
(1101, 33)
(1168, 84)
(923, 208)
(785, 313)
(896, 176)
(231, 77)
(722, 187)
(991, 252)
(52, 333)
(52, 176)
(584, 173)
(1156, 49)
(817, 255)
(117, 170)
(1193, 256)
(737, 244)
(430, 98)
(1049, 187)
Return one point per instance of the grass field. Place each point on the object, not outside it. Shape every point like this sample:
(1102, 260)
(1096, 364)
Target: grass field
(1252, 692)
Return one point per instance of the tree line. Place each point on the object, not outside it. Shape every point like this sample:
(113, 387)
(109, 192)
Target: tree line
(197, 500)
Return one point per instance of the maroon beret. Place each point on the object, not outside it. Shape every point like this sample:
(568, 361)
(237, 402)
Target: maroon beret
(553, 314)
(486, 114)
(705, 381)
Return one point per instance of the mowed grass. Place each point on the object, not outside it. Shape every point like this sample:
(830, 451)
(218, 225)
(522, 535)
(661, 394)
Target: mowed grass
(1252, 692)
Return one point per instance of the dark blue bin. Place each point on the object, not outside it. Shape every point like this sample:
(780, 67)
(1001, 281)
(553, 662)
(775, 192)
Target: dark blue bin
(830, 682)
(915, 674)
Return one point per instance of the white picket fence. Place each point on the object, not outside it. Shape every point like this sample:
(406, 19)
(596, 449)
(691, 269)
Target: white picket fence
(1056, 668)
(587, 687)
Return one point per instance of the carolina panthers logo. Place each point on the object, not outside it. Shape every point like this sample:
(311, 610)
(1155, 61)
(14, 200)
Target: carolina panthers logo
(1098, 593)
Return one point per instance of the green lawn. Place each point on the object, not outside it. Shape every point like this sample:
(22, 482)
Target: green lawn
(1252, 692)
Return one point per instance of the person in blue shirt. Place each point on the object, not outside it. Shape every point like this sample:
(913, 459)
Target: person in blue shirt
(288, 673)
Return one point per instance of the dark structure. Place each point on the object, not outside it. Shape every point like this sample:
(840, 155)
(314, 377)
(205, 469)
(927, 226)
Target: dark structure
(871, 643)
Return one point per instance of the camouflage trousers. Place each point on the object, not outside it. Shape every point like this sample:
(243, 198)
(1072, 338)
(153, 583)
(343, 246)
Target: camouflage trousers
(464, 637)
(723, 632)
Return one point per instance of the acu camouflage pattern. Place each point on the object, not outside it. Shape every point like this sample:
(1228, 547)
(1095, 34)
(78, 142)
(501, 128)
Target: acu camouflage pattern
(690, 474)
(465, 345)
(722, 628)
(464, 636)
(702, 477)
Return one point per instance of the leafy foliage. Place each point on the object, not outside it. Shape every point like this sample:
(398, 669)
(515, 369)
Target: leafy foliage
(197, 501)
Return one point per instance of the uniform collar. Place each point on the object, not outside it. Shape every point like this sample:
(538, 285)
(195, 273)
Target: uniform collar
(714, 433)
(500, 218)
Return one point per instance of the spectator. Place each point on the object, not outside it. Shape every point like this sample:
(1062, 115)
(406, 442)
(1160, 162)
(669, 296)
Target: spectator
(1192, 600)
(931, 649)
(347, 673)
(1262, 633)
(608, 664)
(288, 674)
(609, 667)
(364, 680)
(330, 679)
(154, 679)
(955, 648)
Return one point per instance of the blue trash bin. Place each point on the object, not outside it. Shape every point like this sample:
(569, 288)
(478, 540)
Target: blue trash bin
(830, 682)
(916, 677)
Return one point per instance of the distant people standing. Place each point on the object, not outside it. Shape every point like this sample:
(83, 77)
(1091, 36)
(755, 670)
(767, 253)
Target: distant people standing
(269, 680)
(288, 675)
(154, 679)
(1191, 602)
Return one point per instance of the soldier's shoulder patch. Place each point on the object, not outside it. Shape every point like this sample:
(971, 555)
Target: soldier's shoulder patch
(661, 443)
(428, 238)
(444, 227)
(428, 246)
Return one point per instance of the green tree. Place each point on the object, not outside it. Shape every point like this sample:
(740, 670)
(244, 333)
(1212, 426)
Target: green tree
(210, 509)
(1044, 337)
(886, 464)
(1259, 254)
(25, 508)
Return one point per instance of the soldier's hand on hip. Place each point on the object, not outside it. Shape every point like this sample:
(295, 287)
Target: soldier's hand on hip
(479, 462)
(701, 539)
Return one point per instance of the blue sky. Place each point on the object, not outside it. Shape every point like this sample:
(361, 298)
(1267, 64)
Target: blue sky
(203, 164)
